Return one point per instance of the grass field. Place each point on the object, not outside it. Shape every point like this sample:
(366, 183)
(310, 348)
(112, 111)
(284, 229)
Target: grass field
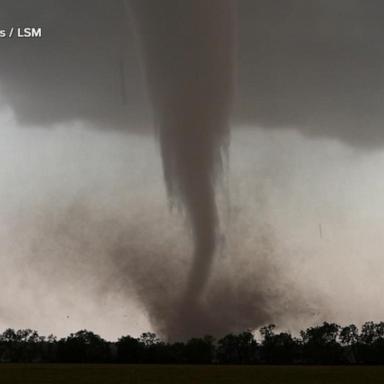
(151, 374)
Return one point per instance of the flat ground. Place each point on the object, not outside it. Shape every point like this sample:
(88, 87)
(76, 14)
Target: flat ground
(168, 374)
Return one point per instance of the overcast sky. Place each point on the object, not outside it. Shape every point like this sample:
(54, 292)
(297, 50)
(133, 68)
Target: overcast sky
(70, 192)
(82, 192)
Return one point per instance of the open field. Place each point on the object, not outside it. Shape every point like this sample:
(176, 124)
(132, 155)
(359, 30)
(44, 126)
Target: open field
(167, 374)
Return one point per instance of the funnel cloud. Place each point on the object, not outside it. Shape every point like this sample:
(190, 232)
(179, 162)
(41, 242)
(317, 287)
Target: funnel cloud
(190, 69)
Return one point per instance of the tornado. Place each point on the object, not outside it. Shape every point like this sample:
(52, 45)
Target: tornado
(188, 52)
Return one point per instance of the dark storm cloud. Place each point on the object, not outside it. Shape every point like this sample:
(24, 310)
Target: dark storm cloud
(309, 64)
(84, 67)
(313, 65)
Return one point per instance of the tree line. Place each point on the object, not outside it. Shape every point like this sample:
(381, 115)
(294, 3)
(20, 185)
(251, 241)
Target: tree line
(328, 343)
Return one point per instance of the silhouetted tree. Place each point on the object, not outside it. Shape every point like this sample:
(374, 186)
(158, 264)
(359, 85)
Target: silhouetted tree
(83, 347)
(237, 349)
(130, 350)
(200, 350)
(279, 348)
(155, 351)
(176, 353)
(325, 344)
(370, 346)
(349, 335)
(320, 344)
(24, 345)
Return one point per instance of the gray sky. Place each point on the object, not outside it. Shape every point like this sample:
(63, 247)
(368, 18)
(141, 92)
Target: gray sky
(313, 64)
(85, 223)
(68, 196)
